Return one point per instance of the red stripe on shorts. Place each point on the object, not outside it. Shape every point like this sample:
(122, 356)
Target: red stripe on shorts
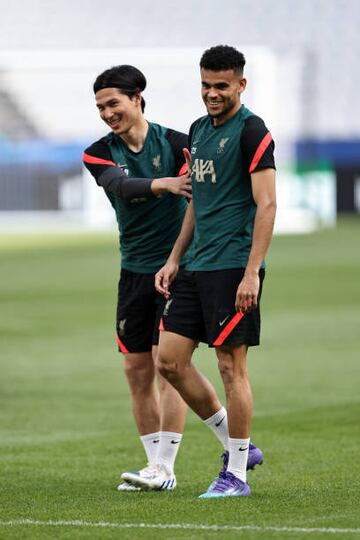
(161, 325)
(122, 347)
(228, 329)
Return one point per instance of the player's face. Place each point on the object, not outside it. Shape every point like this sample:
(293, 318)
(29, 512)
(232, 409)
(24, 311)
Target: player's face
(119, 112)
(221, 91)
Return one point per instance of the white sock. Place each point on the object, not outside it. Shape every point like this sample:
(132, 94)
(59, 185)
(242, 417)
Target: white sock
(238, 456)
(219, 425)
(168, 449)
(151, 443)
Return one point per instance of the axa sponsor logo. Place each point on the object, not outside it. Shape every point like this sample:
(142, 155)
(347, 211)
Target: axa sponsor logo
(204, 169)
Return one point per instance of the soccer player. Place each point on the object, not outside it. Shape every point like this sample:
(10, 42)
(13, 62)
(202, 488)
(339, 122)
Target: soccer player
(141, 167)
(216, 299)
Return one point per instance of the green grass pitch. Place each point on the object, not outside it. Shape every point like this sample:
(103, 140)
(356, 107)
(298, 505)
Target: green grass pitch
(66, 429)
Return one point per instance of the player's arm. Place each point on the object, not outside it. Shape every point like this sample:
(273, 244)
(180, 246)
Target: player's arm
(178, 185)
(98, 160)
(259, 148)
(168, 272)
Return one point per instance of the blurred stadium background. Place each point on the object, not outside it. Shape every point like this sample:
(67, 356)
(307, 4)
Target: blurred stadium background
(303, 75)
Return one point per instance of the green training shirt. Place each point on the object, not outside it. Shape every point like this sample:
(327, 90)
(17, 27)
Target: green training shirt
(149, 225)
(223, 158)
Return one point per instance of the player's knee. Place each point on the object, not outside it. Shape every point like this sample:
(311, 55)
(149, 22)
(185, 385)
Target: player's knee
(168, 368)
(232, 363)
(226, 368)
(232, 373)
(139, 374)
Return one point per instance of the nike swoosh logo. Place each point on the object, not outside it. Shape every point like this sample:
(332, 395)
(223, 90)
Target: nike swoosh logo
(224, 320)
(243, 449)
(175, 442)
(220, 422)
(158, 440)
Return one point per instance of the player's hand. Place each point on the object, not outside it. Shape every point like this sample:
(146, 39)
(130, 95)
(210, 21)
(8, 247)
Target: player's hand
(247, 292)
(181, 185)
(164, 277)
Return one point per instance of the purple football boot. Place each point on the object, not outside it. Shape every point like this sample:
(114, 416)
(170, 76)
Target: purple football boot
(227, 485)
(255, 457)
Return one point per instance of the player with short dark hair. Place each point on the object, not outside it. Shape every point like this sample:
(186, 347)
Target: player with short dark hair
(222, 58)
(216, 299)
(126, 78)
(141, 167)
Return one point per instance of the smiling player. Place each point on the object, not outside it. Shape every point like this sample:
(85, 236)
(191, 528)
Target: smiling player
(137, 165)
(216, 299)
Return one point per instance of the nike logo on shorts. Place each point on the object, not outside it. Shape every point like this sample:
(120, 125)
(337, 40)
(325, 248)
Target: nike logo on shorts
(221, 323)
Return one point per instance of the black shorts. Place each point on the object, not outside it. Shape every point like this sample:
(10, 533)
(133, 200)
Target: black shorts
(202, 308)
(138, 313)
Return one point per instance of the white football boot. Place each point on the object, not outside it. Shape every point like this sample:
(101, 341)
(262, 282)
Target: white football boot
(152, 477)
(125, 486)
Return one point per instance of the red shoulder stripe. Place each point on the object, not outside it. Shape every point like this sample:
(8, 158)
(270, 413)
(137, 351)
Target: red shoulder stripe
(96, 161)
(260, 151)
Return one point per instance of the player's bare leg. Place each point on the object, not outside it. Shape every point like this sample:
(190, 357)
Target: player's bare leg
(174, 363)
(173, 408)
(233, 370)
(159, 474)
(173, 411)
(239, 401)
(231, 480)
(140, 373)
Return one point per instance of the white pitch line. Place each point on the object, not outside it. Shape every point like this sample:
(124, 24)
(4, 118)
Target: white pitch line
(193, 526)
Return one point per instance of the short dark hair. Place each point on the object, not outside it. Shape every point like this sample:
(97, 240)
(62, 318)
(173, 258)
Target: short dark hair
(221, 58)
(128, 79)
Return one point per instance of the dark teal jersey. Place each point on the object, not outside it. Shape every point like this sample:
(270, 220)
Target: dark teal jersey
(148, 225)
(223, 158)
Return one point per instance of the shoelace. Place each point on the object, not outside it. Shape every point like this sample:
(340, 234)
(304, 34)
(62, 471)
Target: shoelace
(223, 481)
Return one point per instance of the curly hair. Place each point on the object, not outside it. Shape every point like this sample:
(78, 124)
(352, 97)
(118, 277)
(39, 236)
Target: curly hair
(222, 58)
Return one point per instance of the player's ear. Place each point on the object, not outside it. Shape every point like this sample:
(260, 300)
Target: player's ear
(242, 83)
(137, 98)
